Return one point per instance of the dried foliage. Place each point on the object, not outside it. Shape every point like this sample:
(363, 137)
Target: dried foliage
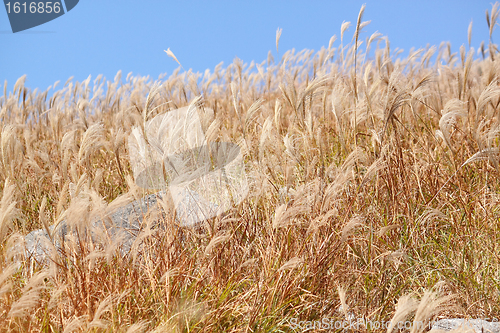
(373, 179)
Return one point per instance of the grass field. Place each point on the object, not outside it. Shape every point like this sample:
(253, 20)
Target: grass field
(374, 186)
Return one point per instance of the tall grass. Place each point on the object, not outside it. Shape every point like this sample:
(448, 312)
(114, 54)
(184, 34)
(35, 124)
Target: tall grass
(375, 189)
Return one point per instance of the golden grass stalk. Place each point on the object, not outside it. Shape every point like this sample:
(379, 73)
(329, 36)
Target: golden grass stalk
(8, 211)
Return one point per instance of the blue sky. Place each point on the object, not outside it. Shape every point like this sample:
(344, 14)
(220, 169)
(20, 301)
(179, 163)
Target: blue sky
(102, 37)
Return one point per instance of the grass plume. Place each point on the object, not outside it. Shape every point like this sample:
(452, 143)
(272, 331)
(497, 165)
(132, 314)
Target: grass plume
(375, 179)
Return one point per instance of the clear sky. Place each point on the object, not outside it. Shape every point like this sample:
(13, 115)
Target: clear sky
(104, 36)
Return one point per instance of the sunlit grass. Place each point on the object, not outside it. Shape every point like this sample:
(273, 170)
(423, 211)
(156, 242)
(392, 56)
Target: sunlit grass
(360, 195)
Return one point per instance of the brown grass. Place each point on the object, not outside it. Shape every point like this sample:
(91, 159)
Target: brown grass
(375, 183)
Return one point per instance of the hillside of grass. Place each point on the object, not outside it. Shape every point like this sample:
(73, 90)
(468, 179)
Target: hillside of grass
(374, 189)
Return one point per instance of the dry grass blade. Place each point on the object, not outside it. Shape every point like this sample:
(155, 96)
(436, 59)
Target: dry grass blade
(430, 215)
(343, 302)
(283, 216)
(376, 166)
(7, 273)
(278, 35)
(405, 307)
(93, 139)
(491, 92)
(384, 230)
(398, 101)
(251, 113)
(215, 242)
(429, 306)
(469, 33)
(291, 264)
(348, 186)
(356, 37)
(30, 295)
(345, 25)
(492, 20)
(489, 153)
(355, 222)
(104, 306)
(75, 324)
(172, 55)
(140, 326)
(453, 109)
